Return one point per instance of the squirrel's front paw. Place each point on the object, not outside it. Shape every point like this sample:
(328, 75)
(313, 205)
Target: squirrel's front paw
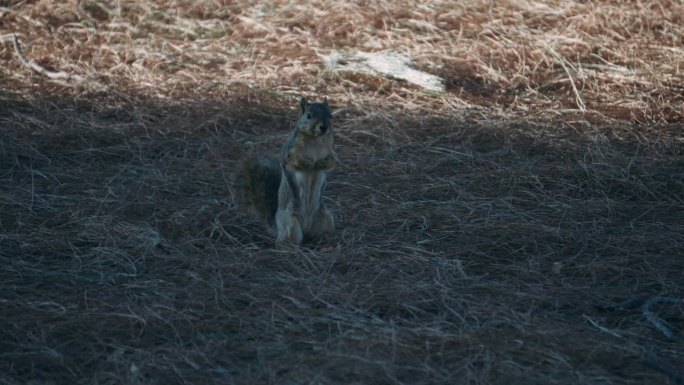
(301, 163)
(325, 163)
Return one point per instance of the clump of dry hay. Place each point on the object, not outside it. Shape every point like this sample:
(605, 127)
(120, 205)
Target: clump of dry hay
(609, 60)
(470, 248)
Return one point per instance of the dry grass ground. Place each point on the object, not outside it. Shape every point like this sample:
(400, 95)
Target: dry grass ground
(524, 227)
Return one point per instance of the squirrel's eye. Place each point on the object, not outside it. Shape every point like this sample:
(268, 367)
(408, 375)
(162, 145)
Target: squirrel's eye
(308, 115)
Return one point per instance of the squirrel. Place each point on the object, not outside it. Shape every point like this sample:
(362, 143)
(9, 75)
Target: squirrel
(285, 193)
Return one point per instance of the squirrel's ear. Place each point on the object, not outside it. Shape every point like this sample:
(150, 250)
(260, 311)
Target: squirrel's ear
(303, 104)
(325, 101)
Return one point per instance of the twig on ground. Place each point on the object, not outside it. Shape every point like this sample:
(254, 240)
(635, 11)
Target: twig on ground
(646, 310)
(601, 328)
(37, 68)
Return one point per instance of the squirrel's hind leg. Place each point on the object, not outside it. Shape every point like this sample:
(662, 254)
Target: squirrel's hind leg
(288, 228)
(323, 224)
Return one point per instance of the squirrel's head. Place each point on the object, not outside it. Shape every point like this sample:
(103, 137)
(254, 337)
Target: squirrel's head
(315, 119)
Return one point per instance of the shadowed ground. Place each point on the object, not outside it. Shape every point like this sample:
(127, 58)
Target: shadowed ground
(466, 252)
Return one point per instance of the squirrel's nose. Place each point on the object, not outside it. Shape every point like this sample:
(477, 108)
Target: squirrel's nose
(323, 128)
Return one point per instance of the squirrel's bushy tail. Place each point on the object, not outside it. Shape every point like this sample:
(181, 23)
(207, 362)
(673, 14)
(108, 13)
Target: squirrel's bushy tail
(256, 185)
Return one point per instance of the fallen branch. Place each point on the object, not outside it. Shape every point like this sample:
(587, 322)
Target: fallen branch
(37, 68)
(646, 310)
